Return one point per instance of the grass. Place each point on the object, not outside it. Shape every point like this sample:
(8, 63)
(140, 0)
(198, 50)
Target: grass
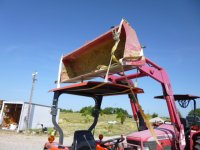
(70, 122)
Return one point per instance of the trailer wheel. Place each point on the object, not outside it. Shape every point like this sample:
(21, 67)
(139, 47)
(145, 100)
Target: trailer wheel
(197, 143)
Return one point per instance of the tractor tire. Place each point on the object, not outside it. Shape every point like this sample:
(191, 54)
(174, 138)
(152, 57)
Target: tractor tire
(197, 143)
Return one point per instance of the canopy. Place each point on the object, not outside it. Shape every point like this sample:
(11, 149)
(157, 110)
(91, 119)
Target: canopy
(180, 97)
(97, 88)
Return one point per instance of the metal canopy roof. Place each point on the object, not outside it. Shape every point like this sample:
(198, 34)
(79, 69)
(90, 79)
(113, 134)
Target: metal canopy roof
(180, 97)
(97, 89)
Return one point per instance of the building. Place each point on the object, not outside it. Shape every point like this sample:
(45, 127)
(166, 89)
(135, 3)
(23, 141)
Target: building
(14, 116)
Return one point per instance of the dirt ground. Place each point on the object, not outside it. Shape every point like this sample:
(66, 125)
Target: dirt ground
(19, 141)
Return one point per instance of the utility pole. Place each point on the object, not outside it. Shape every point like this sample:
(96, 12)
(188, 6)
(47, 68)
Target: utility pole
(34, 75)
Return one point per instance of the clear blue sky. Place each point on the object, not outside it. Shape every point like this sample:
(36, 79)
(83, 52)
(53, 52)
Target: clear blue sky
(34, 34)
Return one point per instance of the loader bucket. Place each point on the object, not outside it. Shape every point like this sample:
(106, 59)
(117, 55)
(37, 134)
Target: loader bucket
(91, 60)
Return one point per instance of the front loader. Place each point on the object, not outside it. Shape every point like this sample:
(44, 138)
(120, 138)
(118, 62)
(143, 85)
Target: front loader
(117, 57)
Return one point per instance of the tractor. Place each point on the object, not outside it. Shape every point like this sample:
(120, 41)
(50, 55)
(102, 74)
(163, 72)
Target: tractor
(191, 123)
(117, 57)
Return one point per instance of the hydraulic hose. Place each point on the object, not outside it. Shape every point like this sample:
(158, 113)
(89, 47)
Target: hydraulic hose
(54, 110)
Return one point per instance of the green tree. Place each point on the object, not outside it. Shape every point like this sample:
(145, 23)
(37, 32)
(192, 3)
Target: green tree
(122, 116)
(66, 110)
(108, 110)
(111, 110)
(119, 110)
(87, 111)
(154, 115)
(101, 112)
(197, 112)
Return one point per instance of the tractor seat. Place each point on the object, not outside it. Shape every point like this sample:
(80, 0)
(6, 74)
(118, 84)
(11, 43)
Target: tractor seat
(83, 140)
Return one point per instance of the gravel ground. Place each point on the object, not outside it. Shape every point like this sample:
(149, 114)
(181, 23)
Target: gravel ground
(18, 141)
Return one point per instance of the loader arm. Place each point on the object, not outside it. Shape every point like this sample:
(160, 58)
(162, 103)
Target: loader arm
(156, 72)
(160, 75)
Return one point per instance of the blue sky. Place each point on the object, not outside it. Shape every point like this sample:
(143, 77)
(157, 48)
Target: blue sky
(34, 34)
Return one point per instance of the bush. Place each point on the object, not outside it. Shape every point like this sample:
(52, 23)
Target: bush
(122, 115)
(108, 110)
(111, 110)
(87, 111)
(197, 112)
(154, 115)
(66, 110)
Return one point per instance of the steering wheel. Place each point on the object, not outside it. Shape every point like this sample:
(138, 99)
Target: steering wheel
(112, 142)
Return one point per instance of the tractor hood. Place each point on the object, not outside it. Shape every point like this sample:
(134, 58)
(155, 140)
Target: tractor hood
(163, 132)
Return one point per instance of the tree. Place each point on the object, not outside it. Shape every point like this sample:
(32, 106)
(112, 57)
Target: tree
(119, 110)
(90, 111)
(122, 117)
(66, 110)
(111, 110)
(108, 110)
(197, 112)
(87, 111)
(101, 112)
(154, 115)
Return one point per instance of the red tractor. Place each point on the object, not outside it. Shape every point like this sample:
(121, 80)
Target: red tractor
(191, 122)
(117, 56)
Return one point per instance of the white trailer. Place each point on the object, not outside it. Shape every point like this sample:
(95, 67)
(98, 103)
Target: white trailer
(14, 116)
